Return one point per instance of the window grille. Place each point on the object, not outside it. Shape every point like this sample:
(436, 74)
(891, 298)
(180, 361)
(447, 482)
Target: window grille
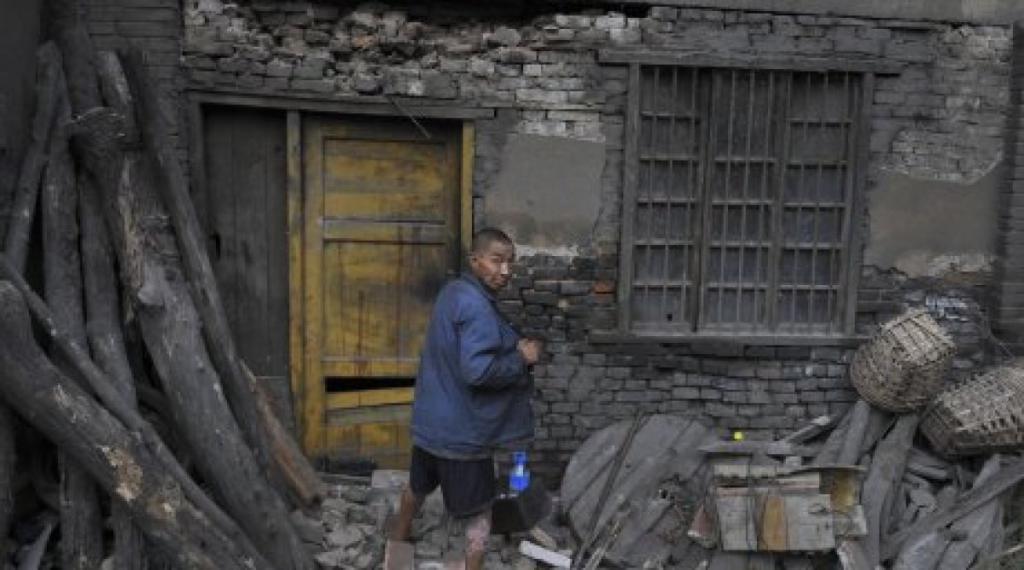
(740, 190)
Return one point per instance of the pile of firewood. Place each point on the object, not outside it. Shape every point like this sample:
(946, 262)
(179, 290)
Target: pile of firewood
(128, 310)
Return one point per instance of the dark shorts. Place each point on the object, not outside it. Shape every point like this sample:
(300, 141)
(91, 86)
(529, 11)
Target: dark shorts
(468, 486)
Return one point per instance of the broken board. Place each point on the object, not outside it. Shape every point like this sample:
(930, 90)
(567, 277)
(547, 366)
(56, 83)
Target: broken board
(661, 479)
(769, 521)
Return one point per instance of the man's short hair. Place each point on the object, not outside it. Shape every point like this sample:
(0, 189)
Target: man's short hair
(485, 237)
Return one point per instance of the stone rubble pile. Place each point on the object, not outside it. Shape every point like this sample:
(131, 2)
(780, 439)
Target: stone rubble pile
(350, 531)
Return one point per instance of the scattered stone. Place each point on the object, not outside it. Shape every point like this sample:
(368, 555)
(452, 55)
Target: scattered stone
(503, 36)
(310, 530)
(344, 537)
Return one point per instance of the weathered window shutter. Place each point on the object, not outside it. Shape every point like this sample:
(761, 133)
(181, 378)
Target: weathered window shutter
(740, 197)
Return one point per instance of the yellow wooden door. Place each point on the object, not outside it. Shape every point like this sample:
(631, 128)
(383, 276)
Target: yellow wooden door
(381, 215)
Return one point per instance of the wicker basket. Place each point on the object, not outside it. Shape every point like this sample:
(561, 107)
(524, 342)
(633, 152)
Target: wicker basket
(905, 364)
(981, 416)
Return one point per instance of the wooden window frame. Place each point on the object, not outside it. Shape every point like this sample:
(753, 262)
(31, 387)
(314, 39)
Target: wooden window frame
(866, 69)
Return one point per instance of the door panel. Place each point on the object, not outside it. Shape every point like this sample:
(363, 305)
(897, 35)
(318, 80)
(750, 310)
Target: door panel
(242, 204)
(376, 306)
(381, 211)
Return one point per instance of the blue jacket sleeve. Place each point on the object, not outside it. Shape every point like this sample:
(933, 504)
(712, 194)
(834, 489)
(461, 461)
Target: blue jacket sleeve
(484, 362)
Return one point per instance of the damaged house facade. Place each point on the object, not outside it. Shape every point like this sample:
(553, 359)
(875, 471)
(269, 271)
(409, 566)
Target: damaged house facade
(715, 202)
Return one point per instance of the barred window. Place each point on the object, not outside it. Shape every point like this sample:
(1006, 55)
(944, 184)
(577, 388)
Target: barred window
(740, 191)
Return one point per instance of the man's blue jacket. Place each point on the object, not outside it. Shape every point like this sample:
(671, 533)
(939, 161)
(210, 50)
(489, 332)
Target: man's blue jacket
(473, 390)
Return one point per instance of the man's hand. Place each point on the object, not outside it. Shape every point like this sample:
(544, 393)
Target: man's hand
(530, 349)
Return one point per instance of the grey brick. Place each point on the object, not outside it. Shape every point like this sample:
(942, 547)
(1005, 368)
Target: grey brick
(687, 393)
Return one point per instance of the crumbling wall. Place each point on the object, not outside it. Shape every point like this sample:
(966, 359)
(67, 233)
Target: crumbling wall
(937, 120)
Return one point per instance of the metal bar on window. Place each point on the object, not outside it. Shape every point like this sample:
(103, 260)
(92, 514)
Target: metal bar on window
(692, 174)
(794, 324)
(746, 181)
(707, 172)
(783, 154)
(726, 195)
(837, 212)
(668, 194)
(817, 198)
(762, 197)
(648, 251)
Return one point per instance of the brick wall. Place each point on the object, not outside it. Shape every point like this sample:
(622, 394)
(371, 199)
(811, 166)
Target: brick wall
(1009, 293)
(940, 118)
(154, 26)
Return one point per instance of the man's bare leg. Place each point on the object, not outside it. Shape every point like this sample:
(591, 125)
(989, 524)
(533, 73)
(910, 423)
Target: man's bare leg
(478, 530)
(407, 509)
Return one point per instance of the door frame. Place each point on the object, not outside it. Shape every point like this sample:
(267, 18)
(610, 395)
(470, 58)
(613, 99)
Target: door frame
(294, 106)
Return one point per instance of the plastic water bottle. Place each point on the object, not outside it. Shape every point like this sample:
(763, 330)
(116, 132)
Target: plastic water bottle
(519, 476)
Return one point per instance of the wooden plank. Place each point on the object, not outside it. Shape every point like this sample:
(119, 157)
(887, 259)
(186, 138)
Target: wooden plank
(856, 210)
(361, 105)
(338, 400)
(245, 225)
(397, 232)
(691, 59)
(829, 452)
(296, 273)
(314, 393)
(975, 526)
(776, 448)
(883, 477)
(466, 192)
(849, 453)
(813, 429)
(768, 521)
(663, 449)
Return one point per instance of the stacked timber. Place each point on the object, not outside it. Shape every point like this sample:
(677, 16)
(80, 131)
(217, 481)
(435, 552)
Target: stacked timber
(122, 358)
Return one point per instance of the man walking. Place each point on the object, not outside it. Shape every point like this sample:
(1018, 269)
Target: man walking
(472, 396)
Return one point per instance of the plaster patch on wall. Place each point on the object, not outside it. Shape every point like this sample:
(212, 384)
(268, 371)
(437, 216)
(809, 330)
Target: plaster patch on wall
(931, 228)
(547, 192)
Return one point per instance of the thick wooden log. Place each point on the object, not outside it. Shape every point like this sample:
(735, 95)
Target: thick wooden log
(277, 451)
(103, 328)
(171, 328)
(8, 462)
(81, 522)
(116, 460)
(49, 79)
(884, 475)
(98, 384)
